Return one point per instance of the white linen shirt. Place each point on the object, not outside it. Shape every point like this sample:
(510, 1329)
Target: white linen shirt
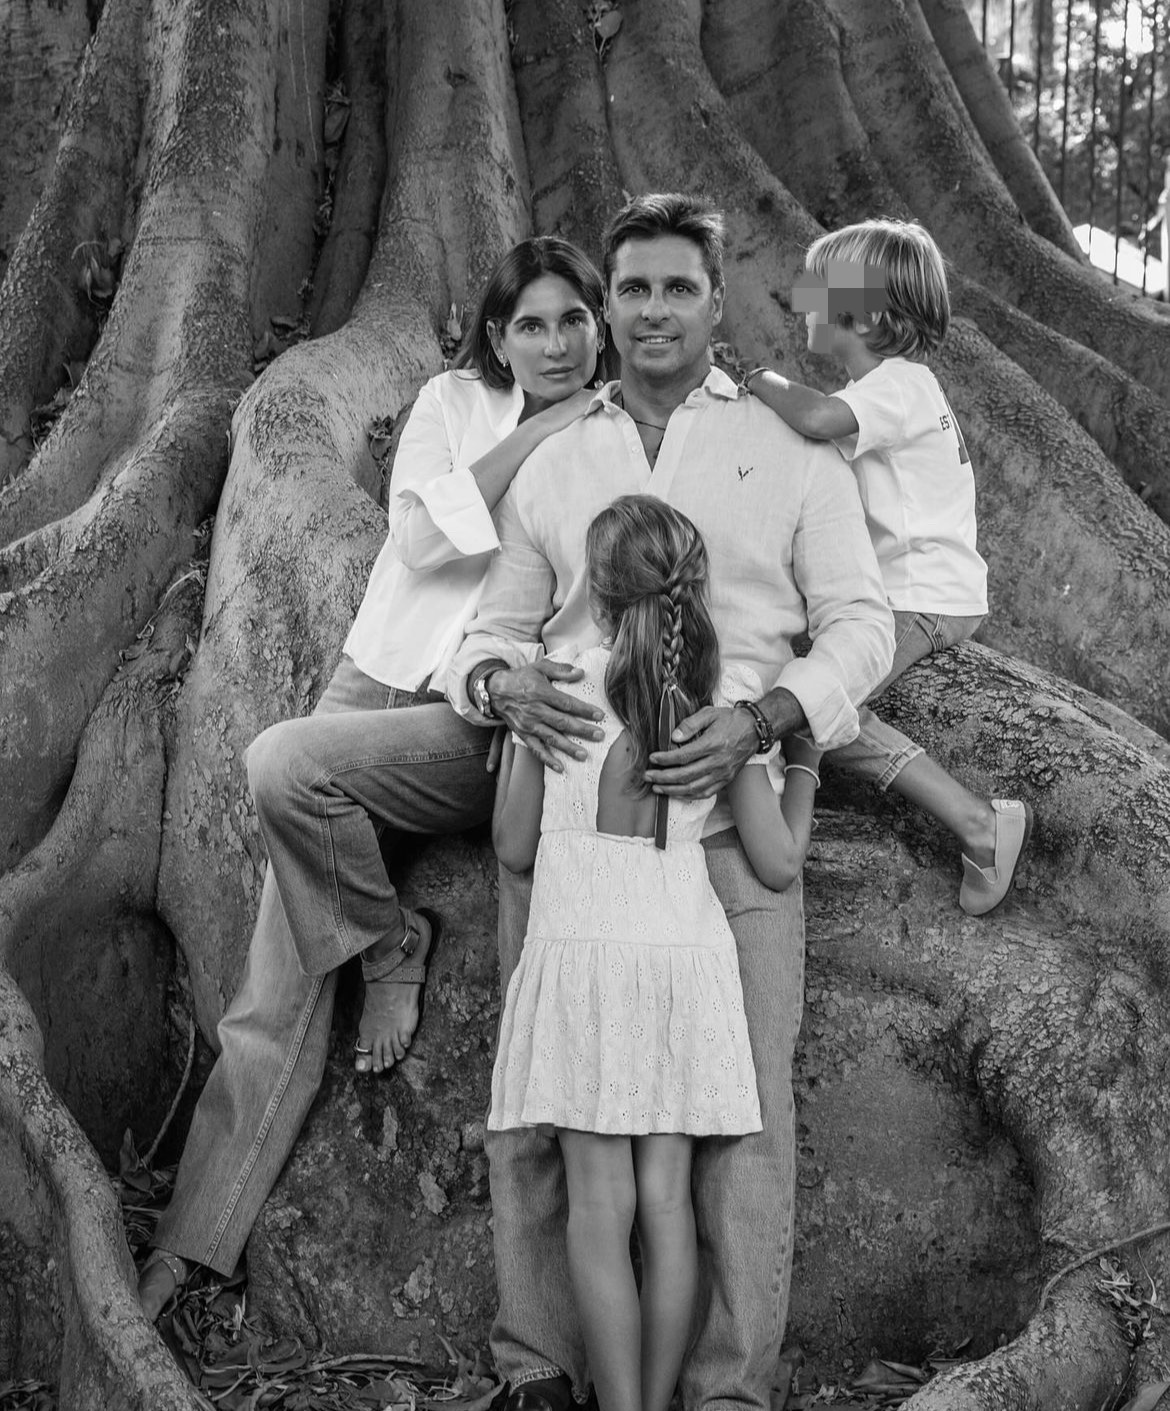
(784, 530)
(918, 490)
(426, 580)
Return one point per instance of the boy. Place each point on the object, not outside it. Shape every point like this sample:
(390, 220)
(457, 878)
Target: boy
(875, 298)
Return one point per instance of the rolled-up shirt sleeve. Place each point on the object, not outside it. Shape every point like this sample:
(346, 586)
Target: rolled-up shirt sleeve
(436, 511)
(849, 621)
(516, 602)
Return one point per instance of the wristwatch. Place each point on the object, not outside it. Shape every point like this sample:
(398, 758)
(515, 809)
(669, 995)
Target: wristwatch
(477, 686)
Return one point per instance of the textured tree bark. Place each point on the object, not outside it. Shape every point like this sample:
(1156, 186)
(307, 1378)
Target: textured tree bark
(985, 100)
(1018, 1061)
(458, 195)
(924, 144)
(833, 170)
(43, 48)
(46, 320)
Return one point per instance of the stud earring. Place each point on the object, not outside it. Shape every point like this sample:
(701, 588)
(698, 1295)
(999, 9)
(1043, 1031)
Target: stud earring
(503, 357)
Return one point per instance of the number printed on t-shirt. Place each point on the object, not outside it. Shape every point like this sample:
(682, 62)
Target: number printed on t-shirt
(947, 422)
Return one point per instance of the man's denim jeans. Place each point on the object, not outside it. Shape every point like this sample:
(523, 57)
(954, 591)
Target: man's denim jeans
(743, 1186)
(880, 752)
(324, 787)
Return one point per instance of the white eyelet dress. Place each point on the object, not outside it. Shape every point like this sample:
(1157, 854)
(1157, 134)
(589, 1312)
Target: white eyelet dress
(625, 1013)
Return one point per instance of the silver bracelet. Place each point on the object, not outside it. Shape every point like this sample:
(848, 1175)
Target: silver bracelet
(747, 377)
(807, 769)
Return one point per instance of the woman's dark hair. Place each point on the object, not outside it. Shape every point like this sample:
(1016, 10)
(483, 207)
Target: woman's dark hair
(648, 574)
(524, 263)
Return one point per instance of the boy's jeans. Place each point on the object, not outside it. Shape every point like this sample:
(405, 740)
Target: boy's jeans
(324, 787)
(743, 1186)
(880, 752)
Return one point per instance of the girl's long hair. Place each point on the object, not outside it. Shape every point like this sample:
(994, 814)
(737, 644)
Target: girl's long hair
(648, 575)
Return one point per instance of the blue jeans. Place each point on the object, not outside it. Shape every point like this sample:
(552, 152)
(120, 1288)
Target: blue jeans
(880, 752)
(743, 1186)
(324, 787)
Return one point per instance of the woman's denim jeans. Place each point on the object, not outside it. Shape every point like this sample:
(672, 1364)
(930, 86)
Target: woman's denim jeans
(325, 787)
(880, 752)
(743, 1186)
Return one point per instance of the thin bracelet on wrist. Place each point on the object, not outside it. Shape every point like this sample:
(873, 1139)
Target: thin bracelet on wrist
(805, 769)
(764, 731)
(745, 380)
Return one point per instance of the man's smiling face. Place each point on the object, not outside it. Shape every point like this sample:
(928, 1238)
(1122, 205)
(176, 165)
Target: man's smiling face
(662, 308)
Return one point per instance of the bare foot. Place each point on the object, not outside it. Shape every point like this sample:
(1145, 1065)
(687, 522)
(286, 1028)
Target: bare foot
(391, 1009)
(163, 1275)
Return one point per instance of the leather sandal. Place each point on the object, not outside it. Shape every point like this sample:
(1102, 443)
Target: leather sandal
(178, 1268)
(398, 967)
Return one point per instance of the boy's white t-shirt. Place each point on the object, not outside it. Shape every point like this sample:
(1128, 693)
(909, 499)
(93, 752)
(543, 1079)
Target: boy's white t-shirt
(918, 490)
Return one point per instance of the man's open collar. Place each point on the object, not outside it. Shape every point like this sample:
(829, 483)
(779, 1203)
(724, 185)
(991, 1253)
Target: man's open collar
(720, 385)
(716, 384)
(604, 397)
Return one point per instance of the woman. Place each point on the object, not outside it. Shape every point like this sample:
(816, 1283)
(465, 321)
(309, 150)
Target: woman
(325, 786)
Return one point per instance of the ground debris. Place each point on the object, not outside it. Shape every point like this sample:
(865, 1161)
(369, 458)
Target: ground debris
(880, 1384)
(27, 1395)
(606, 19)
(99, 269)
(1134, 1305)
(282, 332)
(237, 1368)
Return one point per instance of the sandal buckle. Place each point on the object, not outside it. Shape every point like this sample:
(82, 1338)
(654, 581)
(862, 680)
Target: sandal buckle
(410, 939)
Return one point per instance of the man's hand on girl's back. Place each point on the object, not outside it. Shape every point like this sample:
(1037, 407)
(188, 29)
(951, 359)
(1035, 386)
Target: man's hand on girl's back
(712, 746)
(545, 718)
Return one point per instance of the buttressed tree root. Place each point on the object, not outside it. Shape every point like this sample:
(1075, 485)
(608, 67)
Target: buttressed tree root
(833, 169)
(981, 1103)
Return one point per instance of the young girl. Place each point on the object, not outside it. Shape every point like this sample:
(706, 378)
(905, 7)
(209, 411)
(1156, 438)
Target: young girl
(875, 298)
(623, 1025)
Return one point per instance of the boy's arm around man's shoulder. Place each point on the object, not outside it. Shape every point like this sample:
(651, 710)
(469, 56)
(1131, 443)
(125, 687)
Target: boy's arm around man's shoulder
(814, 414)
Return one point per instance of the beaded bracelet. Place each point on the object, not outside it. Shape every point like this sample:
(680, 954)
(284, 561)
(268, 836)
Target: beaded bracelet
(767, 737)
(806, 769)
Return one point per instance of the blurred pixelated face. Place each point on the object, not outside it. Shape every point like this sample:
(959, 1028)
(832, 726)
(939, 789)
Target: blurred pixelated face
(662, 308)
(848, 287)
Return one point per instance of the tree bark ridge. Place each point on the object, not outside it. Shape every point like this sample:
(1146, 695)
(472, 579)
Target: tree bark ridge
(986, 100)
(1043, 1027)
(45, 322)
(926, 155)
(298, 447)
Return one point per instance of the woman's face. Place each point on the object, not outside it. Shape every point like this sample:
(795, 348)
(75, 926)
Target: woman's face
(550, 341)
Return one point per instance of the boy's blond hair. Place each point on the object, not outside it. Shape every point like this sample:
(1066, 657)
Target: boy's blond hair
(917, 308)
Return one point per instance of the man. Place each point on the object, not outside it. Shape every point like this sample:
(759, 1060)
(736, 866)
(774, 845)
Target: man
(789, 552)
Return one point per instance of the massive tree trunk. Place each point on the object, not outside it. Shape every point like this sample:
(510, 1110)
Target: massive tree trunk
(980, 1102)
